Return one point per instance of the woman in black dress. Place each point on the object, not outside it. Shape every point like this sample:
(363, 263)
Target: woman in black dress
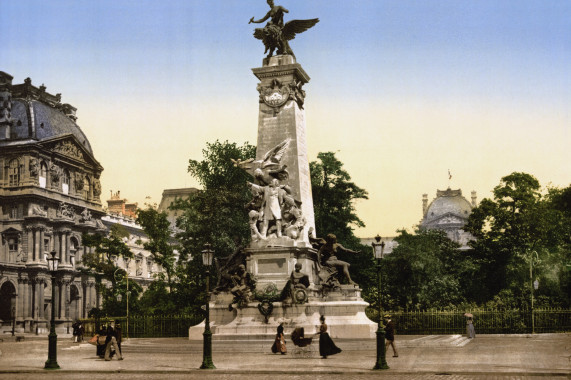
(326, 345)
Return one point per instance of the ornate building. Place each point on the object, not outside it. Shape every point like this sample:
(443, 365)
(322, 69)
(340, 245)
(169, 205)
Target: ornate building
(49, 195)
(448, 212)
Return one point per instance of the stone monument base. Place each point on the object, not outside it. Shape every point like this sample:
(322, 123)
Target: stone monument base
(344, 312)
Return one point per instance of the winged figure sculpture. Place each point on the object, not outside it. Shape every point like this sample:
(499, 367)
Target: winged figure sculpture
(276, 35)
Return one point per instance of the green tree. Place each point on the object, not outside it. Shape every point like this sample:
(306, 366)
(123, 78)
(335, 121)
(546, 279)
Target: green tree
(216, 214)
(425, 270)
(334, 197)
(161, 244)
(101, 262)
(510, 229)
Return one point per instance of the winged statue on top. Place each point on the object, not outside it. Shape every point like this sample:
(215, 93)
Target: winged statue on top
(275, 35)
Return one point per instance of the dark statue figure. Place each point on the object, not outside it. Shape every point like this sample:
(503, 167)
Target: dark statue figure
(275, 35)
(330, 265)
(227, 267)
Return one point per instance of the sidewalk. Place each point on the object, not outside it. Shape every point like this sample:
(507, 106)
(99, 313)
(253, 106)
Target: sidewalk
(517, 355)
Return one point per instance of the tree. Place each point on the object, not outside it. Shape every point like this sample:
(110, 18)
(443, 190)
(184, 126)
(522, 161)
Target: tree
(216, 214)
(101, 261)
(425, 270)
(161, 245)
(334, 197)
(510, 229)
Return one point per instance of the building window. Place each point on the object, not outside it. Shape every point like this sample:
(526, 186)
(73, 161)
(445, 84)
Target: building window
(65, 182)
(43, 174)
(86, 186)
(14, 173)
(13, 244)
(14, 212)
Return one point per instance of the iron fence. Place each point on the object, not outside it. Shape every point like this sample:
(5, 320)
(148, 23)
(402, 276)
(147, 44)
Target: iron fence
(486, 321)
(146, 326)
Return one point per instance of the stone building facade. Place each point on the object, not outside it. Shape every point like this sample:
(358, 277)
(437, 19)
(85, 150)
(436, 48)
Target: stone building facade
(449, 212)
(49, 195)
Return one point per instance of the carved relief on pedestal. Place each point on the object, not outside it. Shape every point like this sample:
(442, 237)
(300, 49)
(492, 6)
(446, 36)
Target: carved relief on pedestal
(276, 94)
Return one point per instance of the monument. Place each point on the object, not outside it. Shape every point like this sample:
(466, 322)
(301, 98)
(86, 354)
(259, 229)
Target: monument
(286, 274)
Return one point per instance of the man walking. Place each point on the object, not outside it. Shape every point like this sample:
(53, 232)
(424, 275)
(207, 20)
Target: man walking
(390, 335)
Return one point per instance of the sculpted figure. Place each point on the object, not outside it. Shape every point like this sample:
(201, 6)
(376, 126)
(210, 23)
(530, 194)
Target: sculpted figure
(330, 263)
(227, 267)
(242, 286)
(275, 35)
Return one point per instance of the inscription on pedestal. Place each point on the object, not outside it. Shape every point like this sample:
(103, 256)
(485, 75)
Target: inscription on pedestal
(272, 266)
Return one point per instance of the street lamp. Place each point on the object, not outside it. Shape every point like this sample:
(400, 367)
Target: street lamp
(127, 293)
(51, 363)
(533, 256)
(207, 256)
(378, 250)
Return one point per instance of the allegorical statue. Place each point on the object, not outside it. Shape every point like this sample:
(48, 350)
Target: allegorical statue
(275, 35)
(330, 264)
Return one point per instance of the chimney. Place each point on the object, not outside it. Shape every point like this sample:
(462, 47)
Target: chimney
(424, 203)
(5, 105)
(474, 202)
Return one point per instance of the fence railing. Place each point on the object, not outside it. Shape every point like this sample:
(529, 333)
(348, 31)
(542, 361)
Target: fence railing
(146, 326)
(427, 322)
(486, 321)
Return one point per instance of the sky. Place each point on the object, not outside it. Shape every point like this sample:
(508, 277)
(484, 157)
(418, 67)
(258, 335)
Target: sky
(402, 91)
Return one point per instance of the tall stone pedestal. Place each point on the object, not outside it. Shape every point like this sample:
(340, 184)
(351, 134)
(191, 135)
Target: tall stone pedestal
(271, 258)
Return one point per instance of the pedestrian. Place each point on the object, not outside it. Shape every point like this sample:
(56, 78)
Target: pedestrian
(279, 343)
(326, 345)
(119, 336)
(111, 343)
(470, 331)
(390, 335)
(81, 332)
(101, 339)
(75, 332)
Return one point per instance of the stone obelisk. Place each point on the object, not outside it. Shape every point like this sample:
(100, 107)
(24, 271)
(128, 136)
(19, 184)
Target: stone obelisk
(281, 116)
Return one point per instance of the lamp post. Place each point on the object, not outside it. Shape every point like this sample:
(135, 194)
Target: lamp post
(13, 319)
(533, 256)
(207, 255)
(378, 250)
(51, 363)
(127, 294)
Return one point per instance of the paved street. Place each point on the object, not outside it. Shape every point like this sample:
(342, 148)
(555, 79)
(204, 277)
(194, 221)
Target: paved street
(420, 357)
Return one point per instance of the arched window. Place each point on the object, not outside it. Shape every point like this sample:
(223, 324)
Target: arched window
(65, 182)
(43, 174)
(14, 173)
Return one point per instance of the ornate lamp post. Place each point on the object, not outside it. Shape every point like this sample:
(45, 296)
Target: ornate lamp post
(533, 258)
(51, 363)
(207, 256)
(378, 250)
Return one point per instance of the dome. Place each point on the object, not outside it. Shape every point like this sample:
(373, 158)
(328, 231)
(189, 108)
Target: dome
(448, 202)
(48, 122)
(30, 113)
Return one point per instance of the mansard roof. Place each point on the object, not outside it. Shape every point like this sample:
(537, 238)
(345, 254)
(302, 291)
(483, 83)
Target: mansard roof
(38, 115)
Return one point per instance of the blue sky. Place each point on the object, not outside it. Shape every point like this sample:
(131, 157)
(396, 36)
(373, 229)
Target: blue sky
(402, 89)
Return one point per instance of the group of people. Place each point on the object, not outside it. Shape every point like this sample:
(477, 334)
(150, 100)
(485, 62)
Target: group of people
(326, 345)
(108, 342)
(78, 332)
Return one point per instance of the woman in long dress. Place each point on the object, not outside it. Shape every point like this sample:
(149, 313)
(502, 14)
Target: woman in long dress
(326, 345)
(279, 343)
(470, 331)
